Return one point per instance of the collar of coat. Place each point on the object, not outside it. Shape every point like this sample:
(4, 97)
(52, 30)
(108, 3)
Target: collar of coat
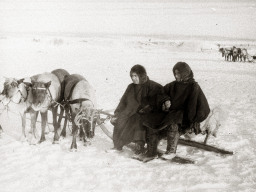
(143, 80)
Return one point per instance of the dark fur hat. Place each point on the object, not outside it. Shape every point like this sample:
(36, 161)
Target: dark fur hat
(141, 72)
(185, 71)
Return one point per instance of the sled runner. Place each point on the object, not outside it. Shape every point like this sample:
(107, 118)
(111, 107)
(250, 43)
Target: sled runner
(180, 160)
(204, 146)
(177, 159)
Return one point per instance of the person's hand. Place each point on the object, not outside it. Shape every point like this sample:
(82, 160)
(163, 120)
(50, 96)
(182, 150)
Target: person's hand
(166, 105)
(113, 120)
(145, 109)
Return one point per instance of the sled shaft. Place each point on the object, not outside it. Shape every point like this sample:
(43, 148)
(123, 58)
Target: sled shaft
(203, 146)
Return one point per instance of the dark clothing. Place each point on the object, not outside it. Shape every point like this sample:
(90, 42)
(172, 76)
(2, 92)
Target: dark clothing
(128, 126)
(188, 103)
(188, 106)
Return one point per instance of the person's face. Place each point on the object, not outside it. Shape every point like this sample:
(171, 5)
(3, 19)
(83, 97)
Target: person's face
(135, 78)
(177, 75)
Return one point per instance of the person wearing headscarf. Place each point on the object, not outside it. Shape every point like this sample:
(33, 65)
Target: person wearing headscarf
(138, 100)
(184, 106)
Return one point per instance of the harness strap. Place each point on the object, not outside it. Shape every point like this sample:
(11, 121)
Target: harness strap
(27, 89)
(69, 102)
(50, 94)
(72, 88)
(77, 101)
(22, 97)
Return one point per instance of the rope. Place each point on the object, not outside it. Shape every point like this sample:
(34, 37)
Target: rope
(57, 104)
(89, 114)
(76, 101)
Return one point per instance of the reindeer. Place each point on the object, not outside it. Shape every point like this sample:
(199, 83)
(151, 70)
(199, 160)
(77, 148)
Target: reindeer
(80, 103)
(47, 94)
(235, 54)
(227, 53)
(244, 54)
(19, 94)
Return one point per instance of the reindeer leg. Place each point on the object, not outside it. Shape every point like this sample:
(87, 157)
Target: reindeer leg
(74, 133)
(43, 124)
(56, 125)
(60, 119)
(61, 115)
(86, 127)
(63, 132)
(93, 126)
(82, 132)
(23, 134)
(74, 145)
(33, 116)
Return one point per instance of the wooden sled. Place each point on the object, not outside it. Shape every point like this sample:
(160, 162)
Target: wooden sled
(184, 142)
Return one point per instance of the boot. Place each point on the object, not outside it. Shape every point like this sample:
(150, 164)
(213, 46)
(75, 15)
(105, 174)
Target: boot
(151, 150)
(139, 147)
(172, 142)
(152, 146)
(114, 150)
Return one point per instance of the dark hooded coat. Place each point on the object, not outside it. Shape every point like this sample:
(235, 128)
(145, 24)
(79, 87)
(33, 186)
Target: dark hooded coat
(188, 102)
(128, 126)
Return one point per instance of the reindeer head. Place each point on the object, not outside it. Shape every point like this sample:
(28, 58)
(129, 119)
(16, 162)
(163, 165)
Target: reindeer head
(40, 93)
(13, 89)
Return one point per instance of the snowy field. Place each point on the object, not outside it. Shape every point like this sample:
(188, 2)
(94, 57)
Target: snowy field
(102, 40)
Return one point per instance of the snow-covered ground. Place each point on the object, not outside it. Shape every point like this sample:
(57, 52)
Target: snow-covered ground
(102, 40)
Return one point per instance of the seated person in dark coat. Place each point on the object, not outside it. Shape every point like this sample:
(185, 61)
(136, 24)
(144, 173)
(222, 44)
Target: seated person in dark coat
(135, 102)
(184, 106)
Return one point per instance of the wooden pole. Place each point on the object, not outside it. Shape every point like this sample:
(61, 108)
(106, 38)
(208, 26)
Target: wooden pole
(206, 138)
(204, 146)
(104, 129)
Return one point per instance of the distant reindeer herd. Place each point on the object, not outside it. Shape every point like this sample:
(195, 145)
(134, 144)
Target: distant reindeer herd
(236, 54)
